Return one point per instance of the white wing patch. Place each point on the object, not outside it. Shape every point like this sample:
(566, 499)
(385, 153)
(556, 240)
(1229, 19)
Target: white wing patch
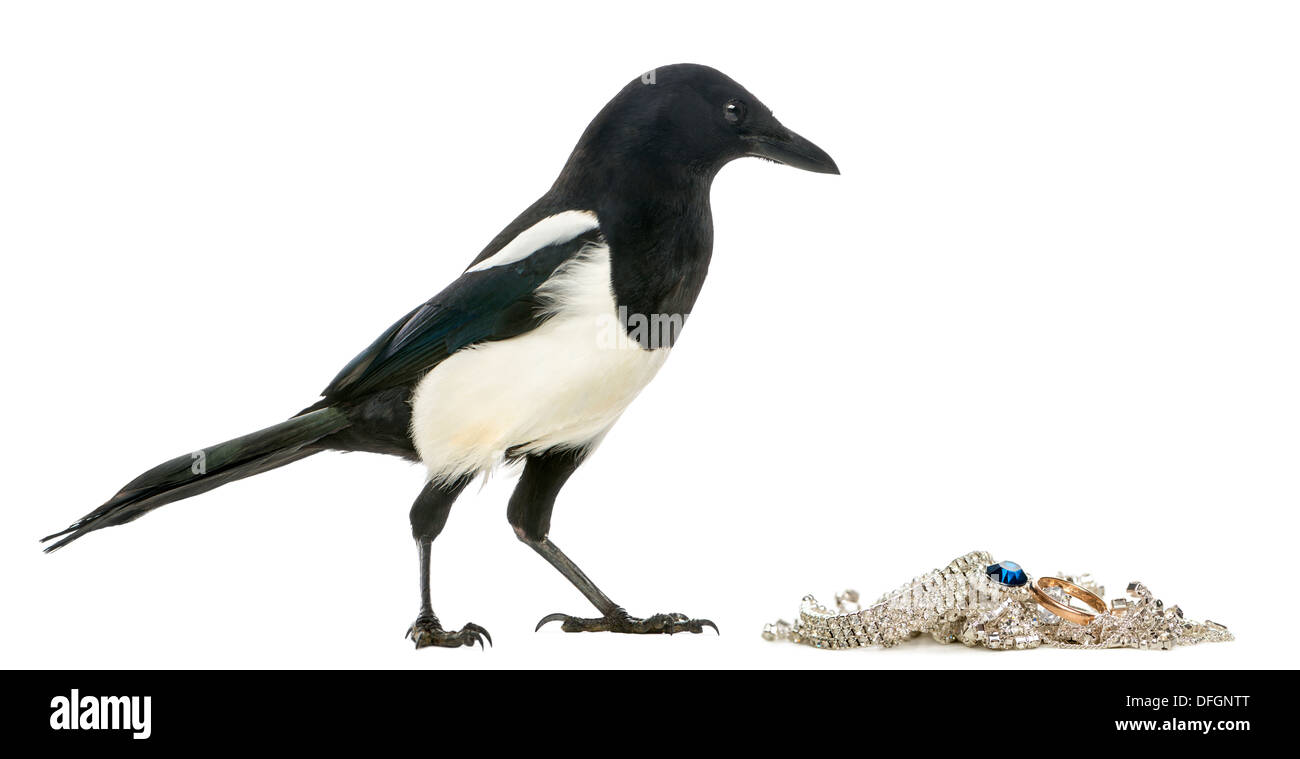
(561, 227)
(559, 386)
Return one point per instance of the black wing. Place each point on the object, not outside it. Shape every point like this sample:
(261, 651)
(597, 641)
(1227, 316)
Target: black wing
(491, 304)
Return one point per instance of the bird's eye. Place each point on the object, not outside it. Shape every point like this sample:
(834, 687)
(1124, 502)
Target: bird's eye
(734, 111)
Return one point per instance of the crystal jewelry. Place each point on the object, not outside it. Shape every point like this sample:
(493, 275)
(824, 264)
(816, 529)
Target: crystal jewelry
(982, 602)
(1039, 590)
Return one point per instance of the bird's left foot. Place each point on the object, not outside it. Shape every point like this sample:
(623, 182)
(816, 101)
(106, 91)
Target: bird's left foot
(427, 631)
(620, 621)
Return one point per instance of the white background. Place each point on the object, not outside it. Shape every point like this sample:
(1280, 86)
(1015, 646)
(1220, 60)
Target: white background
(1049, 310)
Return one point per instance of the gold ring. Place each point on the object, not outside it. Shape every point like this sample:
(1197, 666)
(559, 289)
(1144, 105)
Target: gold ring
(1065, 610)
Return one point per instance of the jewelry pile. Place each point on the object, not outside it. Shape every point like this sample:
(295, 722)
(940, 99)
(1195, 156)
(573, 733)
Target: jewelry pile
(982, 602)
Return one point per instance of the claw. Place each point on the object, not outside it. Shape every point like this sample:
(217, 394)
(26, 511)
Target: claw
(703, 622)
(550, 618)
(479, 629)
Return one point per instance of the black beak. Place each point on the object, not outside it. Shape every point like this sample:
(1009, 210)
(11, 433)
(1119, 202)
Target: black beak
(783, 146)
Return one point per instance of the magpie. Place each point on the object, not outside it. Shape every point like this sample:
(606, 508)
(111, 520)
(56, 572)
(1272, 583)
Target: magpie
(533, 353)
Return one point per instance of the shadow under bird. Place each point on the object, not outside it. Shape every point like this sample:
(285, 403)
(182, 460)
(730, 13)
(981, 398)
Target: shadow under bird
(513, 361)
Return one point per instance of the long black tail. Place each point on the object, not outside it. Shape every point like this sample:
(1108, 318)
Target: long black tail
(209, 468)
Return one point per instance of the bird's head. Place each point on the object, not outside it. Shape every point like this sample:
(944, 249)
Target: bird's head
(696, 118)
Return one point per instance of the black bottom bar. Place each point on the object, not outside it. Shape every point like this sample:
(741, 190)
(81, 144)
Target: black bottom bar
(1047, 708)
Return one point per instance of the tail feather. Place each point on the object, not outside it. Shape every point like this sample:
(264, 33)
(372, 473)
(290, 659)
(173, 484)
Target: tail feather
(209, 468)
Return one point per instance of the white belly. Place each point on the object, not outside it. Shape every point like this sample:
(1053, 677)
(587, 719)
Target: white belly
(561, 385)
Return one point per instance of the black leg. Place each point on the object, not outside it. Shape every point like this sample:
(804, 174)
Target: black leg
(530, 515)
(428, 516)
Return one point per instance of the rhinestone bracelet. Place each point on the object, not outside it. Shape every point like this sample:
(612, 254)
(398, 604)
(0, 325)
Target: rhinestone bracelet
(982, 602)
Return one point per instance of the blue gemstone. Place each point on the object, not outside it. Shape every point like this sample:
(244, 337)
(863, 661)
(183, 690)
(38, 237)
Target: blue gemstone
(1007, 573)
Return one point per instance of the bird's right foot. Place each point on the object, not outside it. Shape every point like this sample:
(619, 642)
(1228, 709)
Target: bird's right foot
(427, 631)
(620, 621)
